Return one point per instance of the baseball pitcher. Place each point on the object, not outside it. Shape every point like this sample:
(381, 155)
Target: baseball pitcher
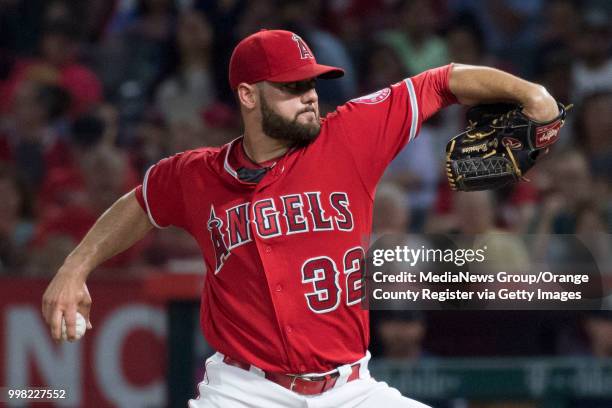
(280, 214)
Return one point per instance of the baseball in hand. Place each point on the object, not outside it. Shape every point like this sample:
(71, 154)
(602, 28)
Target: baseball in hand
(81, 325)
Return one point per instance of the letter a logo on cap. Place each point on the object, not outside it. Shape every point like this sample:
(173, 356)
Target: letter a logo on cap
(304, 51)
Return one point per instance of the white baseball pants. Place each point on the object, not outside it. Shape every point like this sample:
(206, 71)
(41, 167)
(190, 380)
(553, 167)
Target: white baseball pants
(226, 386)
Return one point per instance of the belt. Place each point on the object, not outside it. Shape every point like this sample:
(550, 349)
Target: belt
(304, 385)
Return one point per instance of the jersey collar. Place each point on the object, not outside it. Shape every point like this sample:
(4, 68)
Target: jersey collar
(226, 164)
(277, 169)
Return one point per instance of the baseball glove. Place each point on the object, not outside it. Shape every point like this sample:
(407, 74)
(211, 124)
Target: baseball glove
(498, 147)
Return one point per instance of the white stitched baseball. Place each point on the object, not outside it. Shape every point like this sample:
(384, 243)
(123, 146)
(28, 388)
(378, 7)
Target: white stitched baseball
(80, 327)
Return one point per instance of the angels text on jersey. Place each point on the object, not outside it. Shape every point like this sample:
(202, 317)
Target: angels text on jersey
(271, 217)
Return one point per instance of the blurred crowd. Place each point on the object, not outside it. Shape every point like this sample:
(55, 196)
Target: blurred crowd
(93, 93)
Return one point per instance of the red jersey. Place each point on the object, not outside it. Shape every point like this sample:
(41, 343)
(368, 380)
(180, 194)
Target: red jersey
(284, 255)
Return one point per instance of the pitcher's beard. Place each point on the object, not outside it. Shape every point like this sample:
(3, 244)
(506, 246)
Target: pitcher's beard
(295, 133)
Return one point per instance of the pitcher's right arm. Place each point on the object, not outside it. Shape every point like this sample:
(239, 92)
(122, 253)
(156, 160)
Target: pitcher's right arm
(122, 225)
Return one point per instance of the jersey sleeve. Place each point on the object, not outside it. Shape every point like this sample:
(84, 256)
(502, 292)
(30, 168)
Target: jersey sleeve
(376, 127)
(160, 193)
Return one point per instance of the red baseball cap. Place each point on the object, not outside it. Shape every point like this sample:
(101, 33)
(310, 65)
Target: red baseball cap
(276, 56)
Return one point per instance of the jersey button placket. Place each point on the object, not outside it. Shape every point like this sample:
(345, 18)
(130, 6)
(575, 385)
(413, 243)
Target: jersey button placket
(273, 268)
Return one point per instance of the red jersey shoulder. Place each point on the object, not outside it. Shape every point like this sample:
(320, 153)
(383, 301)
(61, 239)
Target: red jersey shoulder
(167, 185)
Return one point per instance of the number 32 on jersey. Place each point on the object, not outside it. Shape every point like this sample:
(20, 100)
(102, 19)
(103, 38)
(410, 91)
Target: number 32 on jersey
(324, 276)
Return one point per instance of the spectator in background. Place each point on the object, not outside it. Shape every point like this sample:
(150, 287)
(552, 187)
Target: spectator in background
(592, 69)
(190, 89)
(153, 20)
(353, 20)
(224, 17)
(509, 27)
(593, 226)
(466, 42)
(560, 26)
(254, 16)
(222, 124)
(64, 10)
(418, 170)
(22, 22)
(117, 180)
(133, 57)
(569, 184)
(61, 227)
(598, 327)
(151, 142)
(399, 334)
(595, 130)
(381, 66)
(96, 16)
(186, 135)
(66, 184)
(110, 117)
(391, 210)
(474, 212)
(415, 39)
(57, 65)
(30, 140)
(15, 228)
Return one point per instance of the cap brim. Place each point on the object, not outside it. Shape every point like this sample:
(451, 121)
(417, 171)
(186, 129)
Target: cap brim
(308, 71)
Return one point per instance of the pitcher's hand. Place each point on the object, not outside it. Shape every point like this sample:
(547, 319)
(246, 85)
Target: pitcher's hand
(65, 295)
